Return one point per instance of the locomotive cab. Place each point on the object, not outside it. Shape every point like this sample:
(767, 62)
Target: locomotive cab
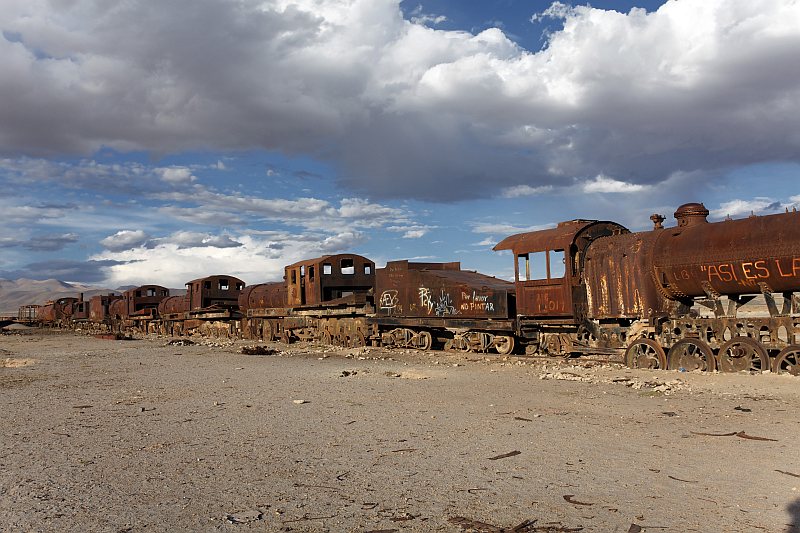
(548, 267)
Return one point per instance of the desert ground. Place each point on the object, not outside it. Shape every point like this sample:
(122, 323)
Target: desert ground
(148, 435)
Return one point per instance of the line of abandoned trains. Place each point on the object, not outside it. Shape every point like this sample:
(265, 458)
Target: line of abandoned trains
(697, 296)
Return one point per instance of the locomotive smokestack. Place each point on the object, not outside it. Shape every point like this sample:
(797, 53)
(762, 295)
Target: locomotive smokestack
(691, 215)
(657, 220)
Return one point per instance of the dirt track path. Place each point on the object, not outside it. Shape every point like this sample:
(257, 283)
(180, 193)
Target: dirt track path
(130, 436)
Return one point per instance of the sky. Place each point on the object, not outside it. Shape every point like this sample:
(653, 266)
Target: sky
(158, 142)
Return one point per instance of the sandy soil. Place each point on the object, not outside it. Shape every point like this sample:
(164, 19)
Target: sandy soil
(102, 435)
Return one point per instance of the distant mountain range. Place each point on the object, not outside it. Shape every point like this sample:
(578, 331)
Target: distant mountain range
(19, 292)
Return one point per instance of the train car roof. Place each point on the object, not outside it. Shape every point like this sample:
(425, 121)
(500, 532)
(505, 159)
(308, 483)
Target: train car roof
(320, 259)
(558, 238)
(215, 276)
(453, 275)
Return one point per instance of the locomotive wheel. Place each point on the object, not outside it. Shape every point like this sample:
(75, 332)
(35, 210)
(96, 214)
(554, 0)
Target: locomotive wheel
(267, 332)
(645, 353)
(358, 340)
(691, 354)
(504, 344)
(424, 340)
(742, 353)
(788, 361)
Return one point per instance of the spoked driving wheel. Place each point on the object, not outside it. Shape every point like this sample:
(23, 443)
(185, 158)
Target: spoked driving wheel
(645, 353)
(691, 354)
(788, 361)
(742, 353)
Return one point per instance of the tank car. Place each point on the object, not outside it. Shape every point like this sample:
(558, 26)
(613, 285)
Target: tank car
(262, 307)
(424, 304)
(699, 295)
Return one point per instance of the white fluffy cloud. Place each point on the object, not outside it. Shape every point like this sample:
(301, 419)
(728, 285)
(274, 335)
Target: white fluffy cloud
(124, 240)
(402, 109)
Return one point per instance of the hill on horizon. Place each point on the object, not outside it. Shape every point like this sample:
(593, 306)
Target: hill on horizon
(23, 291)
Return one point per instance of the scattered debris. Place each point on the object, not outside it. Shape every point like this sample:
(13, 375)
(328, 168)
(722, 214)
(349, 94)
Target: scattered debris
(299, 401)
(669, 413)
(244, 517)
(258, 350)
(740, 434)
(11, 362)
(403, 517)
(82, 406)
(526, 526)
(635, 528)
(522, 419)
(382, 531)
(683, 480)
(113, 337)
(180, 342)
(503, 456)
(742, 409)
(787, 473)
(568, 499)
(347, 373)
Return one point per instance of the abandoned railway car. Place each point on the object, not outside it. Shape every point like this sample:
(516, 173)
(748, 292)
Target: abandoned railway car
(210, 306)
(680, 297)
(699, 295)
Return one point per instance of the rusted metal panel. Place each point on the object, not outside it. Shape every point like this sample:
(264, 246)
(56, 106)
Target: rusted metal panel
(619, 280)
(419, 290)
(99, 306)
(548, 239)
(328, 278)
(80, 309)
(144, 300)
(745, 256)
(263, 296)
(63, 308)
(173, 304)
(46, 313)
(214, 291)
(118, 309)
(547, 267)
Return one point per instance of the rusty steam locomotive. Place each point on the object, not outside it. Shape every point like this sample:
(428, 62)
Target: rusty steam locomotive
(695, 296)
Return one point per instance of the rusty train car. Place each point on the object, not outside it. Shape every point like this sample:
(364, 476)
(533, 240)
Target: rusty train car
(681, 297)
(697, 296)
(210, 306)
(326, 298)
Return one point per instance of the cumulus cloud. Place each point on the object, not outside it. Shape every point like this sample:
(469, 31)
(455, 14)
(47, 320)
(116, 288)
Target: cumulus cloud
(255, 258)
(402, 109)
(124, 240)
(604, 184)
(190, 239)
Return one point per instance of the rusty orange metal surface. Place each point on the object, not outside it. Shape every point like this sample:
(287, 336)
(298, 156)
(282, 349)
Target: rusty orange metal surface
(427, 290)
(554, 291)
(263, 296)
(99, 306)
(329, 278)
(745, 256)
(214, 291)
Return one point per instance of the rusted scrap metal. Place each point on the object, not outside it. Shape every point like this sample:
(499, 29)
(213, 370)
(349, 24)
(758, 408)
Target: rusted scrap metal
(682, 480)
(503, 456)
(258, 350)
(526, 526)
(740, 434)
(569, 499)
(787, 473)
